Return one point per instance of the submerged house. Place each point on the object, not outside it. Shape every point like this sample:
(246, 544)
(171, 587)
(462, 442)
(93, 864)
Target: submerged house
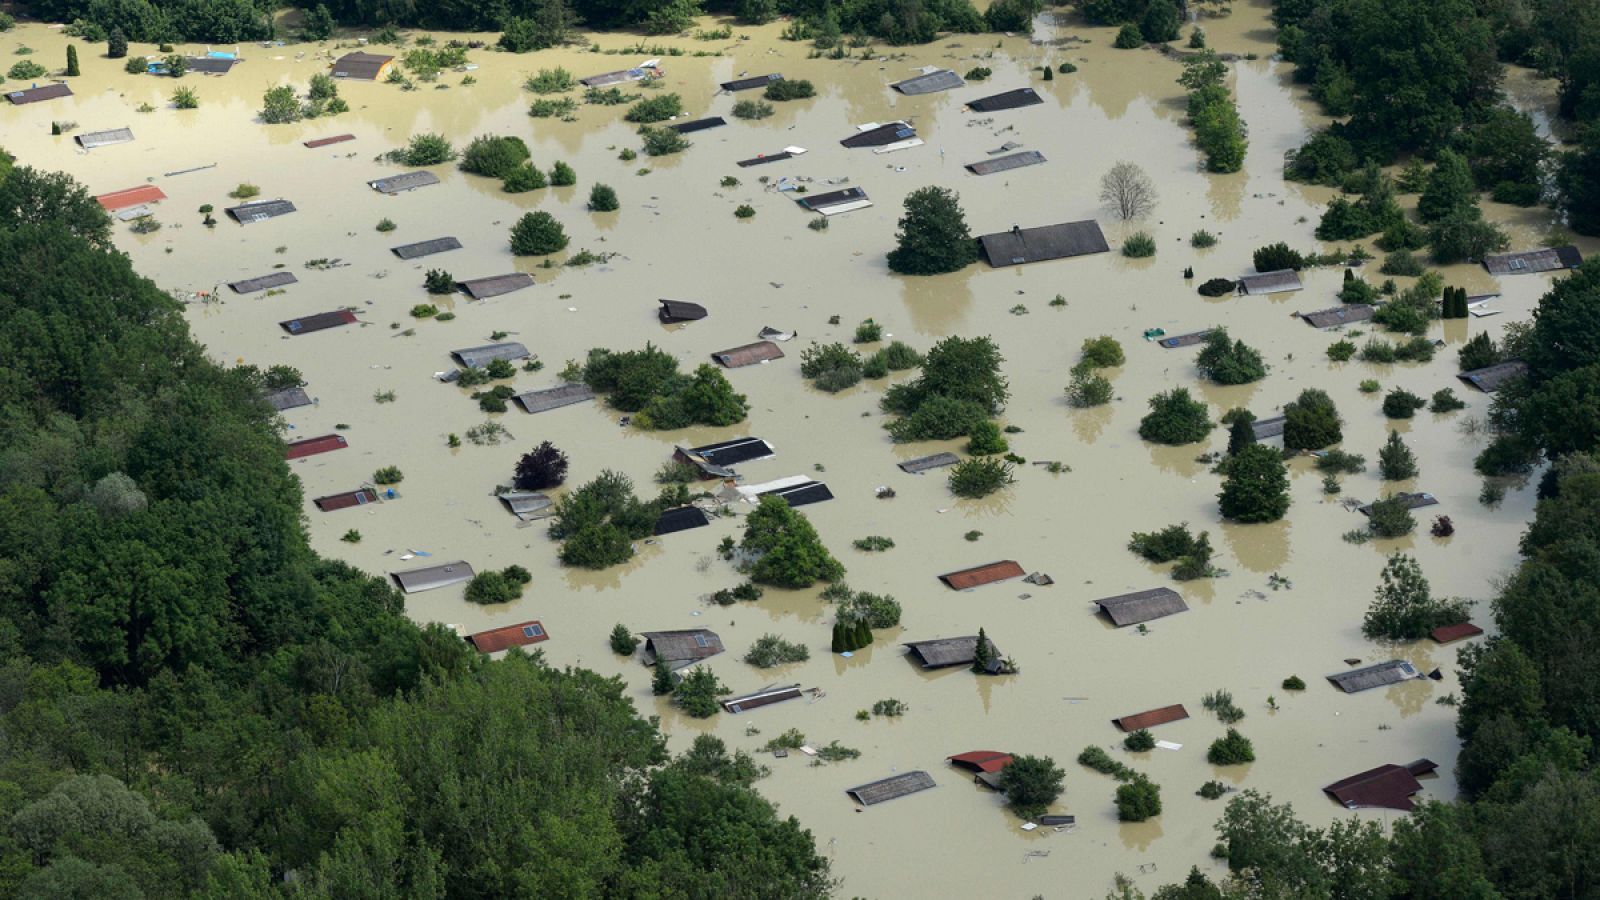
(479, 357)
(977, 576)
(647, 69)
(507, 636)
(495, 285)
(1152, 717)
(1141, 606)
(406, 181)
(289, 398)
(1006, 100)
(681, 518)
(891, 788)
(748, 354)
(834, 203)
(1343, 314)
(259, 211)
(38, 94)
(1492, 378)
(1006, 163)
(1385, 787)
(931, 81)
(432, 577)
(135, 196)
(873, 134)
(426, 248)
(1544, 259)
(1029, 245)
(751, 83)
(318, 322)
(554, 398)
(680, 648)
(346, 500)
(360, 66)
(715, 460)
(89, 140)
(927, 463)
(1375, 676)
(942, 653)
(263, 283)
(312, 446)
(1275, 282)
(527, 505)
(673, 312)
(764, 697)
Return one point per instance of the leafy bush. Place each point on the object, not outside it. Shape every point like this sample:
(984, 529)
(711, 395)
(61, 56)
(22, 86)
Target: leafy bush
(1202, 239)
(1088, 389)
(1175, 418)
(623, 642)
(1226, 361)
(537, 234)
(874, 543)
(553, 108)
(662, 141)
(1479, 352)
(1444, 401)
(1340, 461)
(1341, 350)
(1211, 790)
(789, 89)
(551, 81)
(1391, 518)
(744, 211)
(1129, 38)
(494, 156)
(1220, 703)
(1403, 606)
(897, 357)
(933, 238)
(497, 587)
(1139, 741)
(771, 650)
(388, 475)
(522, 179)
(1401, 263)
(1275, 257)
(789, 552)
(659, 108)
(1217, 287)
(1103, 352)
(697, 693)
(1166, 545)
(832, 367)
(439, 282)
(1396, 462)
(1257, 486)
(424, 150)
(386, 225)
(1294, 683)
(602, 198)
(1231, 750)
(1139, 245)
(984, 439)
(27, 70)
(980, 477)
(1138, 800)
(1031, 784)
(752, 109)
(1311, 421)
(1402, 404)
(545, 466)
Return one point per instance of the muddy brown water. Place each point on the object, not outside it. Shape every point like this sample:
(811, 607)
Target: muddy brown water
(676, 236)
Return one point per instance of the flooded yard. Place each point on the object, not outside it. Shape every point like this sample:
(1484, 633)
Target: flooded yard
(676, 237)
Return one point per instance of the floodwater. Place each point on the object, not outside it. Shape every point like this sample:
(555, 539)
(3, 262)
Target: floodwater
(676, 236)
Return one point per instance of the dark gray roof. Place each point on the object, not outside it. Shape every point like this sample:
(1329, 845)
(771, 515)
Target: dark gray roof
(1006, 100)
(698, 125)
(1006, 163)
(930, 83)
(681, 518)
(1026, 245)
(819, 202)
(431, 577)
(1184, 340)
(942, 652)
(1343, 314)
(801, 494)
(715, 459)
(1381, 675)
(763, 160)
(764, 697)
(495, 285)
(1270, 282)
(553, 398)
(879, 135)
(924, 463)
(891, 788)
(1141, 606)
(407, 181)
(361, 66)
(89, 140)
(673, 311)
(289, 398)
(478, 357)
(36, 94)
(1267, 428)
(251, 285)
(685, 646)
(754, 81)
(259, 211)
(1544, 259)
(1492, 378)
(318, 322)
(210, 65)
(426, 248)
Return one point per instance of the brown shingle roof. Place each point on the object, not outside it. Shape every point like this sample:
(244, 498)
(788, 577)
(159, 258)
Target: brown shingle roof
(683, 646)
(1460, 631)
(1152, 718)
(989, 573)
(1386, 787)
(749, 354)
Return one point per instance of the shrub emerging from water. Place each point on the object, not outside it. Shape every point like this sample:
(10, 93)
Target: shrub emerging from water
(1275, 257)
(545, 466)
(1139, 245)
(1226, 361)
(831, 367)
(553, 108)
(752, 109)
(1129, 38)
(1139, 741)
(1230, 750)
(788, 551)
(789, 89)
(1138, 800)
(985, 439)
(388, 475)
(980, 477)
(1444, 401)
(1166, 545)
(1202, 239)
(424, 150)
(1403, 606)
(659, 108)
(562, 175)
(1088, 389)
(494, 156)
(503, 586)
(1391, 518)
(662, 141)
(1294, 683)
(598, 522)
(623, 642)
(771, 650)
(1396, 462)
(1031, 784)
(1311, 421)
(1217, 287)
(1402, 404)
(1340, 461)
(537, 234)
(1341, 350)
(602, 198)
(960, 385)
(897, 357)
(697, 693)
(523, 179)
(933, 238)
(551, 81)
(1257, 486)
(279, 106)
(1175, 418)
(1103, 352)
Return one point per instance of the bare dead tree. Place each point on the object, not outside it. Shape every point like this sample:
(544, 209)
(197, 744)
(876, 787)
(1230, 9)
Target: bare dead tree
(1127, 191)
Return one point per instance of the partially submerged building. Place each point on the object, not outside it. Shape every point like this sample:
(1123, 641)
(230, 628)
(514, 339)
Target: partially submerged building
(426, 248)
(263, 282)
(1343, 314)
(927, 463)
(259, 211)
(1270, 427)
(346, 500)
(553, 398)
(674, 312)
(873, 134)
(764, 697)
(834, 203)
(527, 505)
(328, 141)
(942, 653)
(1006, 163)
(1275, 282)
(891, 788)
(716, 460)
(1150, 718)
(980, 761)
(360, 66)
(318, 322)
(495, 285)
(431, 578)
(647, 69)
(289, 398)
(1375, 676)
(312, 446)
(1527, 262)
(931, 81)
(680, 648)
(1015, 99)
(505, 637)
(698, 125)
(977, 576)
(1385, 787)
(1492, 378)
(480, 357)
(748, 354)
(1141, 606)
(90, 140)
(681, 518)
(129, 197)
(1446, 634)
(406, 181)
(38, 94)
(1411, 500)
(751, 83)
(1184, 340)
(803, 494)
(1029, 245)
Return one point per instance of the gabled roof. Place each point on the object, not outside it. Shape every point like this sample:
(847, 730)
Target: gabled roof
(754, 81)
(426, 248)
(803, 494)
(1380, 675)
(929, 83)
(346, 500)
(988, 573)
(924, 463)
(980, 760)
(875, 135)
(834, 202)
(1006, 163)
(764, 697)
(1151, 718)
(89, 140)
(318, 322)
(314, 445)
(263, 282)
(1142, 606)
(891, 788)
(942, 652)
(553, 398)
(259, 211)
(289, 398)
(1544, 259)
(134, 196)
(648, 69)
(210, 65)
(495, 285)
(407, 181)
(1014, 99)
(1046, 242)
(1385, 787)
(714, 460)
(684, 646)
(1268, 428)
(527, 505)
(36, 94)
(432, 577)
(1492, 378)
(1445, 634)
(674, 311)
(1411, 499)
(698, 125)
(681, 518)
(478, 357)
(748, 354)
(361, 66)
(1275, 282)
(1343, 314)
(507, 636)
(1184, 340)
(327, 141)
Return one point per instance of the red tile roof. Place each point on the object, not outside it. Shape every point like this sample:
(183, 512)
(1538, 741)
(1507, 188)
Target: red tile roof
(1387, 786)
(981, 575)
(1457, 632)
(981, 760)
(145, 193)
(519, 635)
(313, 446)
(336, 139)
(1152, 718)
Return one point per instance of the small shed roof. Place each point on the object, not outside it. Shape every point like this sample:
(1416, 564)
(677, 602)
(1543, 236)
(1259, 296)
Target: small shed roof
(289, 398)
(875, 135)
(1047, 242)
(426, 248)
(1492, 378)
(764, 697)
(980, 760)
(1152, 717)
(312, 446)
(553, 398)
(834, 202)
(1343, 314)
(259, 211)
(1006, 163)
(674, 311)
(432, 577)
(406, 181)
(495, 285)
(977, 576)
(688, 645)
(754, 81)
(1544, 259)
(1142, 606)
(698, 125)
(346, 500)
(1268, 428)
(1014, 99)
(1275, 282)
(134, 196)
(891, 788)
(715, 460)
(478, 357)
(1385, 787)
(681, 518)
(1368, 677)
(929, 83)
(527, 505)
(749, 354)
(210, 65)
(1184, 340)
(1446, 634)
(361, 66)
(942, 652)
(263, 282)
(803, 494)
(1411, 499)
(924, 463)
(318, 322)
(328, 141)
(507, 636)
(765, 158)
(39, 93)
(89, 140)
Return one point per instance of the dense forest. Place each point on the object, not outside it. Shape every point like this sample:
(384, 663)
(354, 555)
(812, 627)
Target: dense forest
(193, 704)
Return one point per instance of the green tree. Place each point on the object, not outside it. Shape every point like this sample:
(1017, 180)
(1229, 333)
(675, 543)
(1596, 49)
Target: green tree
(318, 24)
(72, 61)
(980, 477)
(1138, 799)
(1403, 606)
(493, 155)
(537, 234)
(1227, 361)
(1396, 462)
(280, 106)
(1450, 191)
(983, 654)
(1175, 418)
(790, 554)
(1031, 784)
(1241, 434)
(933, 236)
(623, 643)
(117, 44)
(1311, 421)
(1257, 486)
(697, 692)
(602, 198)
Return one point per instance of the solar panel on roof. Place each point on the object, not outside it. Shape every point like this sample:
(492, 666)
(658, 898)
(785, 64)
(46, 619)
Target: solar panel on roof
(532, 630)
(700, 639)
